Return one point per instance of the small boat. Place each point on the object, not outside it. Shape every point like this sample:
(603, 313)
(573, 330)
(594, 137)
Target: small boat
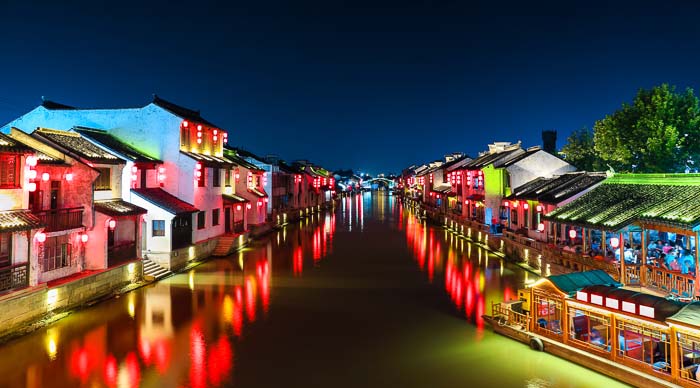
(590, 319)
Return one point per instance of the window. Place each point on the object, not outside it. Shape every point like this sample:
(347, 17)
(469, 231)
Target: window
(227, 177)
(216, 180)
(548, 312)
(589, 329)
(215, 217)
(201, 182)
(158, 228)
(9, 171)
(57, 253)
(526, 218)
(104, 181)
(201, 220)
(5, 249)
(643, 343)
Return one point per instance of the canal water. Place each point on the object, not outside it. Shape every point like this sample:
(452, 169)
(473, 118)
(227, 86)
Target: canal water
(365, 296)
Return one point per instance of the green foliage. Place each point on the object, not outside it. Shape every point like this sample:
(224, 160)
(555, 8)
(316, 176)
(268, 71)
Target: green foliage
(658, 132)
(580, 151)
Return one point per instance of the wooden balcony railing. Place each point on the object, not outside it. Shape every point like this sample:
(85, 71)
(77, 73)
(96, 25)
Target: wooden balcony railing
(673, 282)
(14, 277)
(61, 219)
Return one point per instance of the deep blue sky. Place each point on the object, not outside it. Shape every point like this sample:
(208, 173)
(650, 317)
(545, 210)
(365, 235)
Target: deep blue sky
(353, 84)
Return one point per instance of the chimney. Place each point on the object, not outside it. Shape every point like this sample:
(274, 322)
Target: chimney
(549, 141)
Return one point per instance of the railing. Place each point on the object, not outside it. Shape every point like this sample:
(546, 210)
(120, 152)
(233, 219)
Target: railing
(498, 311)
(14, 276)
(577, 262)
(121, 253)
(674, 282)
(61, 219)
(633, 275)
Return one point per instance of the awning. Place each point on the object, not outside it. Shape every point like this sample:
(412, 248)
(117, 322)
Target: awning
(165, 200)
(442, 189)
(17, 220)
(257, 192)
(233, 198)
(476, 197)
(209, 160)
(118, 208)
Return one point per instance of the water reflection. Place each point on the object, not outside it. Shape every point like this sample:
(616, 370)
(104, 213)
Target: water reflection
(296, 299)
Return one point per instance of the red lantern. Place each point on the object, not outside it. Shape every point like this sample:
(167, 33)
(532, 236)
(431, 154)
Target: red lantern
(112, 223)
(515, 205)
(248, 206)
(31, 174)
(540, 208)
(134, 169)
(69, 176)
(572, 233)
(540, 227)
(40, 237)
(84, 238)
(45, 176)
(31, 187)
(266, 200)
(506, 204)
(31, 161)
(185, 123)
(526, 206)
(238, 207)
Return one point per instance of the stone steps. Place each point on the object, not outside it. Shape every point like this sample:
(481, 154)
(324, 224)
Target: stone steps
(223, 246)
(150, 268)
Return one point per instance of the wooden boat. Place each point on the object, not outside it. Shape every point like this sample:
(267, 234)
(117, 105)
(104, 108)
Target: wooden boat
(587, 318)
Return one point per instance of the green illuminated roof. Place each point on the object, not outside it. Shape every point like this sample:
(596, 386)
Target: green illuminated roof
(625, 199)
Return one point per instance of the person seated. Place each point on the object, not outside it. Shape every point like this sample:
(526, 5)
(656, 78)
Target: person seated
(666, 248)
(662, 262)
(675, 266)
(596, 338)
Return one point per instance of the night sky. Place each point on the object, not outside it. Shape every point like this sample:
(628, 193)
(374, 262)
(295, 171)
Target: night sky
(353, 84)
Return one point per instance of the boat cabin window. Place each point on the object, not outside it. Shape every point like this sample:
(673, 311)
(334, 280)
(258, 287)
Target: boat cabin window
(548, 311)
(689, 355)
(644, 344)
(589, 329)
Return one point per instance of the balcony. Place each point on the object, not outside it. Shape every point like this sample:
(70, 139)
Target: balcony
(14, 277)
(61, 219)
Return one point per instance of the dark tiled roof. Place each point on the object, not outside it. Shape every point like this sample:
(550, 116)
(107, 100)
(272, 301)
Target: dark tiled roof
(515, 157)
(75, 144)
(209, 160)
(165, 200)
(661, 199)
(106, 140)
(185, 113)
(51, 105)
(572, 282)
(557, 189)
(118, 207)
(488, 159)
(234, 198)
(233, 157)
(8, 144)
(456, 164)
(17, 220)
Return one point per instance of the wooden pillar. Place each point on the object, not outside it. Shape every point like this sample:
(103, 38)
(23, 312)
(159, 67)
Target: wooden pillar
(697, 269)
(675, 360)
(556, 226)
(623, 278)
(643, 267)
(604, 243)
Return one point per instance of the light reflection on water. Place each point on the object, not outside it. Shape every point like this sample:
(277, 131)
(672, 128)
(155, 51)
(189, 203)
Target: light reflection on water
(333, 300)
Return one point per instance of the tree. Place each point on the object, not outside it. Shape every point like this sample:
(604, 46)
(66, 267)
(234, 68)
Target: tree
(658, 132)
(580, 151)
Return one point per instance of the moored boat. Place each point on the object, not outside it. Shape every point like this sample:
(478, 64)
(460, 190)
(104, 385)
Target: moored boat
(589, 319)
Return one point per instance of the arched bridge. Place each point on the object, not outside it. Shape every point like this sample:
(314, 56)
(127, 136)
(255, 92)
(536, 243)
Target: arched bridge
(378, 182)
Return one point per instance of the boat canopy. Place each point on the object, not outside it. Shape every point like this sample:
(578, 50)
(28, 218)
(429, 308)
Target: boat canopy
(571, 282)
(688, 315)
(630, 302)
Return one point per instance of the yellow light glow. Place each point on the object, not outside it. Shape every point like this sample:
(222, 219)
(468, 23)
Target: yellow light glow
(52, 296)
(51, 347)
(191, 280)
(131, 306)
(131, 268)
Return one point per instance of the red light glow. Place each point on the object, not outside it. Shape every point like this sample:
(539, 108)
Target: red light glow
(40, 237)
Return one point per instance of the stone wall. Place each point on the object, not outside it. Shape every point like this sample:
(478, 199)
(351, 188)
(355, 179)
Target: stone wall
(19, 310)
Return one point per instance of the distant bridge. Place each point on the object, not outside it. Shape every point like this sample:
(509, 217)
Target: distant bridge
(378, 182)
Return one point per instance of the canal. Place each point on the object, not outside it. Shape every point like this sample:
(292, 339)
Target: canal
(363, 296)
